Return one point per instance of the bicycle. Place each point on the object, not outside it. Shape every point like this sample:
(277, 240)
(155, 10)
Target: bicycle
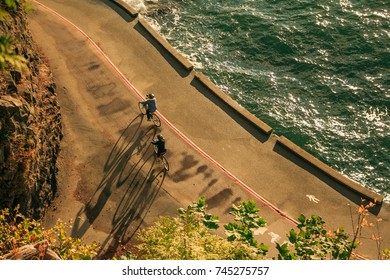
(155, 119)
(162, 158)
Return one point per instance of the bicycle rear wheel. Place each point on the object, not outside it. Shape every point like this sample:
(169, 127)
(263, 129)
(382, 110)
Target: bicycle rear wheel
(142, 108)
(156, 120)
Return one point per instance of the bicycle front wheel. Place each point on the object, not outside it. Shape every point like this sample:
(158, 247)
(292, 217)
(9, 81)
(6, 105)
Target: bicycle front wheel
(142, 108)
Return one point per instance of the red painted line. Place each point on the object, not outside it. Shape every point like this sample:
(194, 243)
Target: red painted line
(169, 124)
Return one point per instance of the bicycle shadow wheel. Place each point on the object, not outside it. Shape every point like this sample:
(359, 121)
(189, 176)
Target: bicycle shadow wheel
(135, 186)
(134, 206)
(123, 142)
(141, 148)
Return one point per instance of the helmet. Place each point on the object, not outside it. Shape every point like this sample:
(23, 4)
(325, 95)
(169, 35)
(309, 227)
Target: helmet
(150, 95)
(160, 137)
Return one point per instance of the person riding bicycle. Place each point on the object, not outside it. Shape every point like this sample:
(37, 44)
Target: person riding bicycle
(151, 105)
(160, 144)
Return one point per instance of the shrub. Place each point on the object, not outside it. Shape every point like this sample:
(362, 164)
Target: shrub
(16, 231)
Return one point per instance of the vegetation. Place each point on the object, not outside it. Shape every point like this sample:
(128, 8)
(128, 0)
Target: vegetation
(17, 231)
(191, 236)
(362, 222)
(246, 222)
(8, 56)
(313, 241)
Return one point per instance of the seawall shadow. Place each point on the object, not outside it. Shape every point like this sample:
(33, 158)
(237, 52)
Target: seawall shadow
(237, 117)
(180, 69)
(337, 186)
(119, 10)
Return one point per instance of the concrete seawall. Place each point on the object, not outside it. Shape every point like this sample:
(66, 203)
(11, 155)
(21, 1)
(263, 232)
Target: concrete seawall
(126, 7)
(182, 60)
(257, 124)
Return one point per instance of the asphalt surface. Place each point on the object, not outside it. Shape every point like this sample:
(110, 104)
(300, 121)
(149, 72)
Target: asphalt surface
(109, 183)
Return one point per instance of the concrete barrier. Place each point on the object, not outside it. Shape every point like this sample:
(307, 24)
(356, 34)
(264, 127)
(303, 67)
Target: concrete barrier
(355, 187)
(164, 43)
(130, 10)
(233, 104)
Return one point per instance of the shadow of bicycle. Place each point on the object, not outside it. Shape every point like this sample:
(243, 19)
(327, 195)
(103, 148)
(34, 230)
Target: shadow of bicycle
(132, 209)
(130, 182)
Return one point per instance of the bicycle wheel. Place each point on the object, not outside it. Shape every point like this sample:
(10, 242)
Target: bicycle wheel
(165, 163)
(142, 108)
(156, 120)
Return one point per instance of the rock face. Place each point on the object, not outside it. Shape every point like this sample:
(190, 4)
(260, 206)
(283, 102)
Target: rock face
(30, 125)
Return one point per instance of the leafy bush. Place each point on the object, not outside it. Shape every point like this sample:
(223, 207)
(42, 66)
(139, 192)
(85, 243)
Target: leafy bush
(246, 222)
(16, 230)
(8, 57)
(189, 236)
(313, 242)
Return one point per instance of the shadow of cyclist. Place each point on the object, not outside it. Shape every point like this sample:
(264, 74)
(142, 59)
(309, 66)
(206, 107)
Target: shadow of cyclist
(133, 208)
(125, 166)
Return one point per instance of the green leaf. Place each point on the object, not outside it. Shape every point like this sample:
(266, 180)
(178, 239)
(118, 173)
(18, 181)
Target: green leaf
(302, 218)
(293, 236)
(201, 202)
(263, 247)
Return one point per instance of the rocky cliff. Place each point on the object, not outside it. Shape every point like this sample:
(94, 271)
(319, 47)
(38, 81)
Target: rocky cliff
(30, 124)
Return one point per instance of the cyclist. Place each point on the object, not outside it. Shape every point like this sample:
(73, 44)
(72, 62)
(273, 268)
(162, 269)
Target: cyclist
(151, 105)
(160, 144)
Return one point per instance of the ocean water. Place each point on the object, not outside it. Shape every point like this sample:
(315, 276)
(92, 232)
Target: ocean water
(318, 72)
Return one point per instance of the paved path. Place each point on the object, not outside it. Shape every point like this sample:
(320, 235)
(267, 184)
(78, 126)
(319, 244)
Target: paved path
(110, 184)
